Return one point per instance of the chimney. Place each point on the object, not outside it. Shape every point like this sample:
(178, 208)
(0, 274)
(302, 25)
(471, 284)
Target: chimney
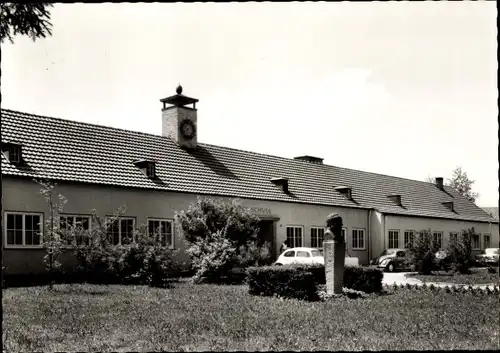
(310, 159)
(179, 122)
(439, 183)
(396, 199)
(283, 182)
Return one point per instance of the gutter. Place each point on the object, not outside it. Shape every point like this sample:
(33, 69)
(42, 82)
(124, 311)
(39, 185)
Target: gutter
(369, 235)
(383, 235)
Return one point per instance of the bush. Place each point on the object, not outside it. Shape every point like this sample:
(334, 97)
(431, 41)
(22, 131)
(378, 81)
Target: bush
(460, 252)
(282, 281)
(276, 279)
(422, 252)
(221, 236)
(142, 261)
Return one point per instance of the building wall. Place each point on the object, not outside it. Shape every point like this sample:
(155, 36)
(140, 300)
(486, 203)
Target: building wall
(443, 225)
(24, 196)
(376, 234)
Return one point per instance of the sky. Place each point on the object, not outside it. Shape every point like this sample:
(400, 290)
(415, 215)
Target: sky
(400, 88)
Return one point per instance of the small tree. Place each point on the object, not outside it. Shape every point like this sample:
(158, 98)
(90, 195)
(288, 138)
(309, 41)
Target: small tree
(52, 241)
(462, 184)
(422, 252)
(460, 251)
(220, 236)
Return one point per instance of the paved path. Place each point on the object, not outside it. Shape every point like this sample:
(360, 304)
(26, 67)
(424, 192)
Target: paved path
(400, 278)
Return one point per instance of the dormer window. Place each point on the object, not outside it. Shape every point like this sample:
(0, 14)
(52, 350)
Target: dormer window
(395, 198)
(345, 190)
(283, 182)
(449, 205)
(148, 167)
(13, 152)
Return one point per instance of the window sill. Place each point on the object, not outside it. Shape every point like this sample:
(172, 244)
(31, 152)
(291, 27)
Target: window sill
(359, 249)
(23, 247)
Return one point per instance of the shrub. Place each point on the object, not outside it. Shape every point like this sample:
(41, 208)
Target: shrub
(368, 280)
(421, 252)
(221, 236)
(282, 281)
(141, 261)
(274, 279)
(460, 252)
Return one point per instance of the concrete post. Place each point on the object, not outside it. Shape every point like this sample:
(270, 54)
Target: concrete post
(334, 254)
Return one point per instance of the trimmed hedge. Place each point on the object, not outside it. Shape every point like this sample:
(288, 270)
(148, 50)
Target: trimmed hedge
(300, 281)
(368, 280)
(282, 281)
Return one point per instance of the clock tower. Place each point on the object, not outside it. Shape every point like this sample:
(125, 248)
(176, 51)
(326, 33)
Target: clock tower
(179, 122)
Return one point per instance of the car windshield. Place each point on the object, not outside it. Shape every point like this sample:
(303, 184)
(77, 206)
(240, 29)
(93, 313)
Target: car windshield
(316, 253)
(388, 252)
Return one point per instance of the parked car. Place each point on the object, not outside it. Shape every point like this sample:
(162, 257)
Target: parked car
(308, 256)
(393, 259)
(489, 256)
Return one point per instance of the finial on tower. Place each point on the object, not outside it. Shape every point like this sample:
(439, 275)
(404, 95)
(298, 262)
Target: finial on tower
(179, 89)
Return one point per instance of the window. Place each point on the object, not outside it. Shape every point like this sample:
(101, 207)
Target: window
(453, 237)
(303, 254)
(437, 238)
(121, 231)
(78, 225)
(393, 239)
(150, 170)
(289, 253)
(487, 240)
(317, 237)
(476, 243)
(15, 154)
(162, 230)
(294, 236)
(23, 229)
(409, 240)
(358, 239)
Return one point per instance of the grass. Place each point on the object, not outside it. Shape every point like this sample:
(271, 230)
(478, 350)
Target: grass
(191, 317)
(477, 276)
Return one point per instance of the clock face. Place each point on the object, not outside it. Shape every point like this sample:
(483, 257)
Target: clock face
(187, 129)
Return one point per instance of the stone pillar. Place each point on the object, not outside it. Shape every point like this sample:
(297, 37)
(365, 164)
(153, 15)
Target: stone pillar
(334, 254)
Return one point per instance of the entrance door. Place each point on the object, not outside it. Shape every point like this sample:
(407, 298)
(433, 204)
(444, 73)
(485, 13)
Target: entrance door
(266, 234)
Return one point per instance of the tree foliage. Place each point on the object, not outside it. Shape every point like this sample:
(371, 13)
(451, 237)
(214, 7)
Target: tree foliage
(220, 236)
(30, 19)
(462, 184)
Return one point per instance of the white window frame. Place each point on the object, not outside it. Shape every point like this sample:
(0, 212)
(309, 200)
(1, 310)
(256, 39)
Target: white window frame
(317, 229)
(440, 234)
(409, 233)
(169, 220)
(453, 235)
(294, 227)
(120, 233)
(478, 241)
(74, 216)
(345, 234)
(13, 246)
(484, 240)
(363, 231)
(393, 231)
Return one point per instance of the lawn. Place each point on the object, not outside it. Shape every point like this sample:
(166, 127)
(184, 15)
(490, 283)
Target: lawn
(477, 276)
(191, 317)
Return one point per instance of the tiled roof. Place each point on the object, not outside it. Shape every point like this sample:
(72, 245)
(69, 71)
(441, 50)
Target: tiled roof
(493, 211)
(67, 150)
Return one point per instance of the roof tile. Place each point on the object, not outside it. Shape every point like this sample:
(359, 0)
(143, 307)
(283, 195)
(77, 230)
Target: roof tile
(80, 152)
